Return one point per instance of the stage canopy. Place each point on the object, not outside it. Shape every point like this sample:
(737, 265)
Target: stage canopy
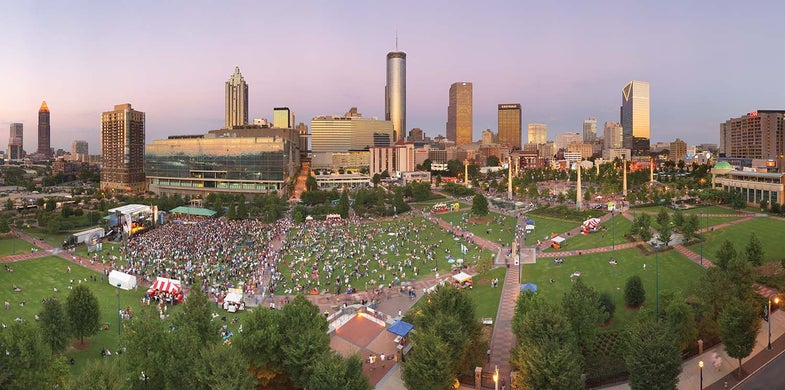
(167, 285)
(400, 328)
(202, 212)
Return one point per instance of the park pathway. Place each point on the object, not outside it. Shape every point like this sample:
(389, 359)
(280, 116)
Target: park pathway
(502, 339)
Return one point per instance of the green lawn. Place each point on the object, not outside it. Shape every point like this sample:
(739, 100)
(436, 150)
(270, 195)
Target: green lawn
(768, 230)
(696, 210)
(486, 299)
(676, 274)
(545, 227)
(501, 227)
(613, 230)
(15, 246)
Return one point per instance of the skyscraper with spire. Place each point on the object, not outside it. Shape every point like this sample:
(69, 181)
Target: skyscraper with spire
(236, 100)
(44, 130)
(395, 92)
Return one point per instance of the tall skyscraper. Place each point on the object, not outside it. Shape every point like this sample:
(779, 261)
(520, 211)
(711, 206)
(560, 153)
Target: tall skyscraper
(44, 132)
(612, 135)
(538, 133)
(635, 117)
(16, 142)
(590, 129)
(510, 124)
(122, 149)
(283, 118)
(395, 93)
(79, 150)
(236, 100)
(459, 113)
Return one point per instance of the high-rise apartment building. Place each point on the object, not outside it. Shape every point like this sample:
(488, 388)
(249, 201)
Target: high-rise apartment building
(677, 151)
(635, 119)
(236, 100)
(79, 150)
(459, 114)
(16, 142)
(759, 134)
(44, 132)
(122, 149)
(612, 135)
(538, 133)
(283, 118)
(590, 129)
(395, 93)
(509, 125)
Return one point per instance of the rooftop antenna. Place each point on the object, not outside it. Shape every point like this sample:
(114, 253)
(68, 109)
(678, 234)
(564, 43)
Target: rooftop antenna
(396, 40)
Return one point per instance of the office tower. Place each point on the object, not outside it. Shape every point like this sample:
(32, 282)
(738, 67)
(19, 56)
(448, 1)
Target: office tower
(416, 134)
(564, 139)
(44, 132)
(759, 134)
(283, 118)
(339, 134)
(302, 130)
(677, 151)
(79, 150)
(16, 142)
(236, 100)
(122, 149)
(395, 93)
(488, 137)
(590, 129)
(612, 135)
(509, 125)
(635, 117)
(538, 133)
(459, 114)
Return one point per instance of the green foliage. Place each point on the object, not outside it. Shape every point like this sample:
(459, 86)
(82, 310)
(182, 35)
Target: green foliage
(663, 218)
(260, 344)
(678, 219)
(583, 310)
(343, 205)
(24, 357)
(754, 250)
(492, 161)
(664, 234)
(298, 215)
(457, 190)
(221, 368)
(426, 367)
(479, 205)
(634, 294)
(652, 356)
(640, 226)
(739, 325)
(197, 316)
(336, 372)
(690, 226)
(4, 227)
(146, 343)
(725, 254)
(100, 375)
(419, 191)
(606, 303)
(681, 320)
(83, 311)
(310, 183)
(304, 339)
(54, 325)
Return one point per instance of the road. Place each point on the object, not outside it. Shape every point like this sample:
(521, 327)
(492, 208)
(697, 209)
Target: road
(769, 377)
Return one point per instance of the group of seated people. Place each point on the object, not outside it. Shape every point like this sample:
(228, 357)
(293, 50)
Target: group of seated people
(612, 261)
(17, 288)
(559, 260)
(8, 268)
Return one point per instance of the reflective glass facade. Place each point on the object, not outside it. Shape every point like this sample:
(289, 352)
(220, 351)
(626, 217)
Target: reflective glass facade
(635, 120)
(395, 93)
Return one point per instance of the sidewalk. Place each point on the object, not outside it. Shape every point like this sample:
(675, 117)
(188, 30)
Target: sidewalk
(715, 379)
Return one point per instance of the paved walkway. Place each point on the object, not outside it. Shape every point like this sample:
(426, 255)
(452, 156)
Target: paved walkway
(502, 339)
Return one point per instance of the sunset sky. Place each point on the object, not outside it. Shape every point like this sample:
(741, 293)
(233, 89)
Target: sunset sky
(563, 61)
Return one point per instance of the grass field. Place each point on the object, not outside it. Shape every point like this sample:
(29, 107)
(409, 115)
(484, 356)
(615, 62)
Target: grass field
(696, 210)
(492, 231)
(15, 246)
(602, 238)
(768, 230)
(486, 299)
(545, 227)
(676, 274)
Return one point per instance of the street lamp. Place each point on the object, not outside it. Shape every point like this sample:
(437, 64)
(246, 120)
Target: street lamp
(119, 318)
(657, 282)
(768, 315)
(496, 378)
(700, 364)
(699, 215)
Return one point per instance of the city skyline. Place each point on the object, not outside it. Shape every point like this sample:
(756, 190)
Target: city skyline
(67, 54)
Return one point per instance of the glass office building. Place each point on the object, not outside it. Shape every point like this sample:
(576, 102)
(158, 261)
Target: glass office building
(635, 112)
(193, 165)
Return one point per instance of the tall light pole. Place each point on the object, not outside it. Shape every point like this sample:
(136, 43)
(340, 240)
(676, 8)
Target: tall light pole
(119, 318)
(657, 282)
(700, 364)
(700, 215)
(768, 315)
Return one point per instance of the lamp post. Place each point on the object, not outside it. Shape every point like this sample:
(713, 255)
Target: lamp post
(119, 318)
(613, 233)
(701, 251)
(700, 364)
(657, 282)
(768, 316)
(496, 378)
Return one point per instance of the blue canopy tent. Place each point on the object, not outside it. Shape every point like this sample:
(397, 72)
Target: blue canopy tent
(530, 222)
(400, 328)
(529, 287)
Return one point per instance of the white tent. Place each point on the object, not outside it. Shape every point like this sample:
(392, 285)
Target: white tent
(234, 300)
(122, 280)
(558, 239)
(461, 277)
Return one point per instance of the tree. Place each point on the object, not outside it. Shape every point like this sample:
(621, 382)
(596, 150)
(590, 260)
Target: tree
(737, 201)
(739, 325)
(634, 294)
(311, 185)
(146, 344)
(764, 205)
(54, 325)
(607, 304)
(754, 250)
(337, 372)
(678, 219)
(83, 312)
(343, 205)
(260, 344)
(197, 315)
(663, 218)
(217, 368)
(665, 234)
(681, 320)
(426, 368)
(492, 161)
(724, 254)
(651, 355)
(377, 178)
(304, 339)
(690, 226)
(582, 308)
(479, 205)
(100, 375)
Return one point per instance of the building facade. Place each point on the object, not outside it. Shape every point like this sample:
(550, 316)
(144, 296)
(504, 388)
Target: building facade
(590, 129)
(459, 114)
(488, 138)
(612, 135)
(395, 93)
(283, 118)
(16, 142)
(509, 125)
(759, 134)
(79, 150)
(334, 133)
(44, 132)
(677, 151)
(236, 100)
(122, 149)
(754, 186)
(564, 139)
(635, 117)
(538, 133)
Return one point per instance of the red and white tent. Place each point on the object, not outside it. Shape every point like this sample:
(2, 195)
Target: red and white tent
(171, 286)
(591, 224)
